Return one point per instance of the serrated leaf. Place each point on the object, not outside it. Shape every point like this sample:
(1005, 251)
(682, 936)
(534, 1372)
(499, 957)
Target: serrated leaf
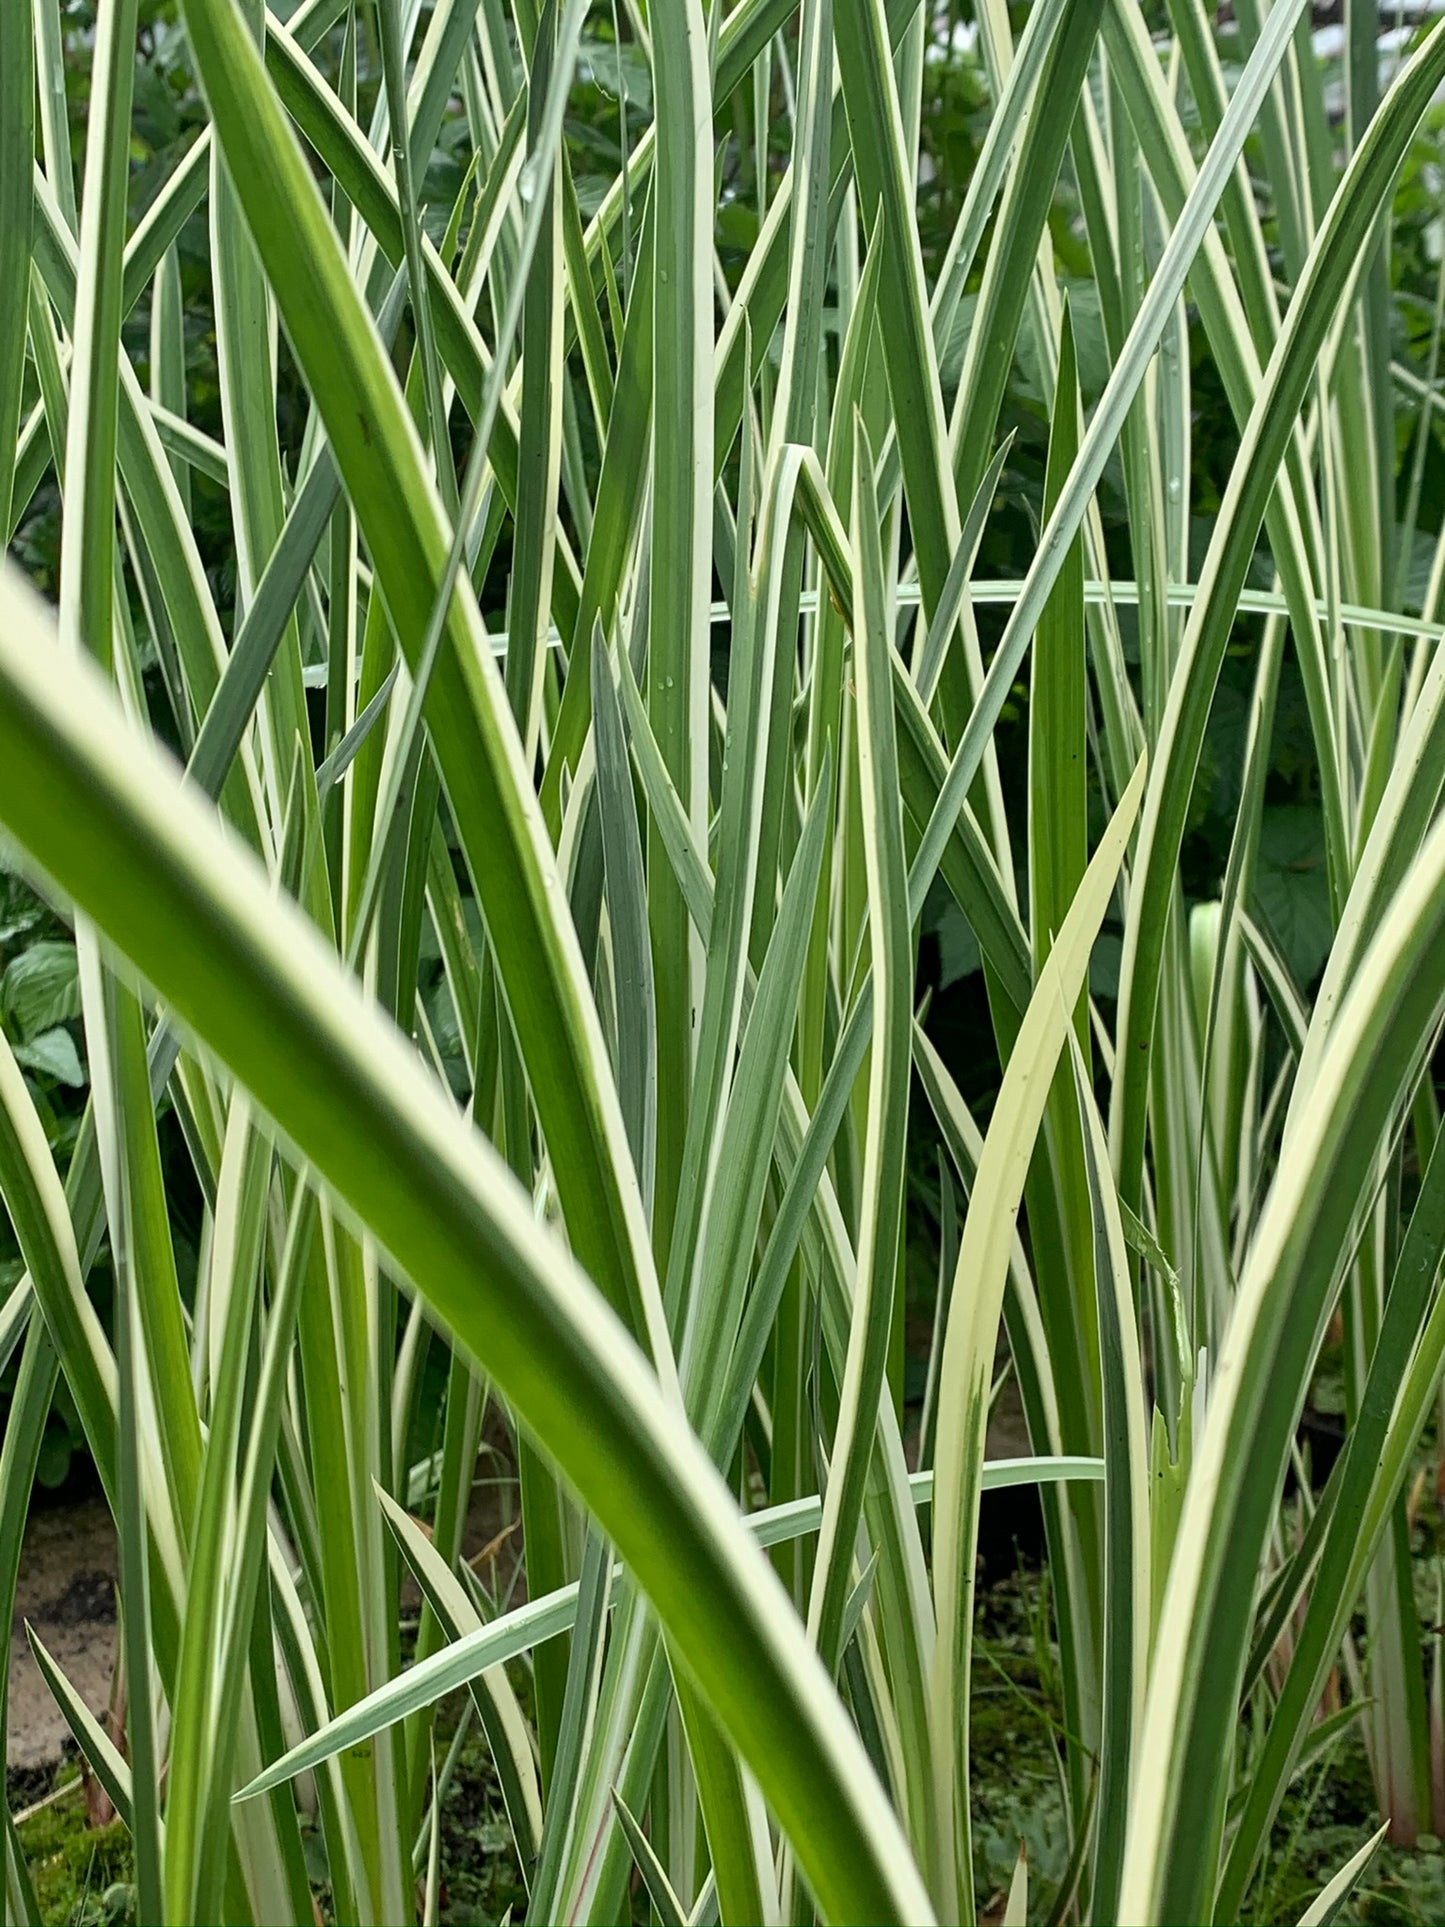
(53, 1054)
(41, 988)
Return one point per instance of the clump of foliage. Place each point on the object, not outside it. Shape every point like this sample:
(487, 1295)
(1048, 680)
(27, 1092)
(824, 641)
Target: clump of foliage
(576, 533)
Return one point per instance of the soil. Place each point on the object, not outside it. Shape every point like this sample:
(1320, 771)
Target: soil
(66, 1595)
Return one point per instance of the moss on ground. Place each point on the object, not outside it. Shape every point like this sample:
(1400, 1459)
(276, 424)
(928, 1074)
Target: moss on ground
(81, 1875)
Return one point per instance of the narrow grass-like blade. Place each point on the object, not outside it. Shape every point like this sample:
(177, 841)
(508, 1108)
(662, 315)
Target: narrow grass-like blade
(527, 1626)
(1326, 1907)
(101, 1754)
(974, 1315)
(891, 950)
(490, 795)
(1279, 1314)
(665, 1903)
(251, 975)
